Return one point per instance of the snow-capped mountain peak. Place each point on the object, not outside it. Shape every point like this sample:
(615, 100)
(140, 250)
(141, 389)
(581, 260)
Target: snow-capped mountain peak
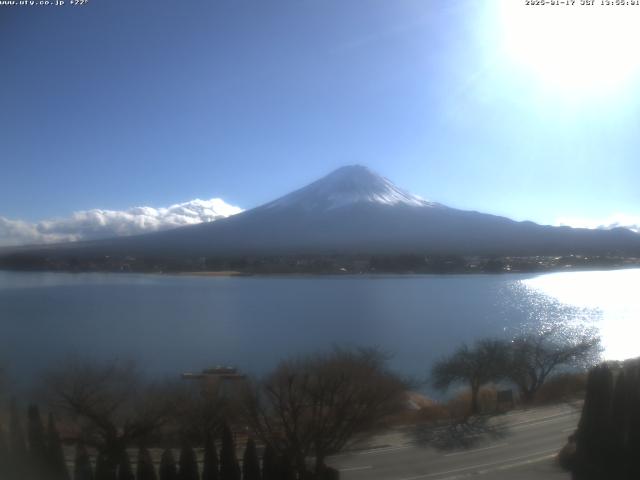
(349, 185)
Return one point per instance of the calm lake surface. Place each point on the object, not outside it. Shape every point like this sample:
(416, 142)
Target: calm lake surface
(171, 324)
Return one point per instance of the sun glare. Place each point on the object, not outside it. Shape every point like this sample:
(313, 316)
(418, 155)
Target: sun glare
(612, 294)
(579, 49)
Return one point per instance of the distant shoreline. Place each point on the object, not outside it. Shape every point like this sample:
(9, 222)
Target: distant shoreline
(381, 274)
(222, 273)
(235, 273)
(321, 265)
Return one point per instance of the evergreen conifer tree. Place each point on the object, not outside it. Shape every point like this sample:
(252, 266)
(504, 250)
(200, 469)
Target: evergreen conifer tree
(269, 464)
(125, 472)
(145, 469)
(101, 466)
(250, 462)
(592, 436)
(619, 427)
(106, 467)
(4, 455)
(168, 470)
(18, 460)
(37, 443)
(57, 465)
(229, 468)
(633, 439)
(188, 464)
(82, 468)
(286, 468)
(210, 469)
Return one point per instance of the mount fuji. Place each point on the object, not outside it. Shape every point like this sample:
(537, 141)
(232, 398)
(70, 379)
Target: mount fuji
(356, 211)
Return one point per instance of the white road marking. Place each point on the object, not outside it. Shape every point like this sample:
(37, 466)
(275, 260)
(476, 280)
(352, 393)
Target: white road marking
(542, 419)
(533, 424)
(518, 464)
(462, 452)
(372, 451)
(502, 468)
(353, 469)
(380, 451)
(531, 456)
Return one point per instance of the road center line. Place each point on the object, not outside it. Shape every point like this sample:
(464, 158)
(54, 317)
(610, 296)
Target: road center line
(476, 450)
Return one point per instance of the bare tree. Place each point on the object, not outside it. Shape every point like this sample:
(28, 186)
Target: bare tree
(533, 357)
(201, 412)
(194, 415)
(476, 365)
(109, 403)
(315, 405)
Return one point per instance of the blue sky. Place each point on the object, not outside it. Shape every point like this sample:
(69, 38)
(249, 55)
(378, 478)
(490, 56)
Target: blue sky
(122, 103)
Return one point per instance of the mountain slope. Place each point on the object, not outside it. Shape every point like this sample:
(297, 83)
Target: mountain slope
(354, 210)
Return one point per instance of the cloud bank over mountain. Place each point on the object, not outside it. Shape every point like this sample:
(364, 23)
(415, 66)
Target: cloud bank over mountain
(97, 223)
(619, 220)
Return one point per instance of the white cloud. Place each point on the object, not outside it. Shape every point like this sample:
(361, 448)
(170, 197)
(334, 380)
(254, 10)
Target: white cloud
(615, 221)
(94, 224)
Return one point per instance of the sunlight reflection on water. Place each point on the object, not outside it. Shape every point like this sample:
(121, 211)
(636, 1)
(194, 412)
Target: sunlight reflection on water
(609, 299)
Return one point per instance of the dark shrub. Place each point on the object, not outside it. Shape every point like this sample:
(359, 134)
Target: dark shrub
(82, 468)
(210, 470)
(145, 469)
(250, 462)
(229, 468)
(168, 470)
(188, 464)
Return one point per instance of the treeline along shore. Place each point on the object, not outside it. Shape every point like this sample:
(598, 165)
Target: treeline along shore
(316, 264)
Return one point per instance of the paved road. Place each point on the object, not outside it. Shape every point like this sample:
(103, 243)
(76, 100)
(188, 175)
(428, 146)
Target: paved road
(518, 446)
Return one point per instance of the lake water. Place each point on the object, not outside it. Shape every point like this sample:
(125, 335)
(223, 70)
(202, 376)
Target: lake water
(171, 324)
